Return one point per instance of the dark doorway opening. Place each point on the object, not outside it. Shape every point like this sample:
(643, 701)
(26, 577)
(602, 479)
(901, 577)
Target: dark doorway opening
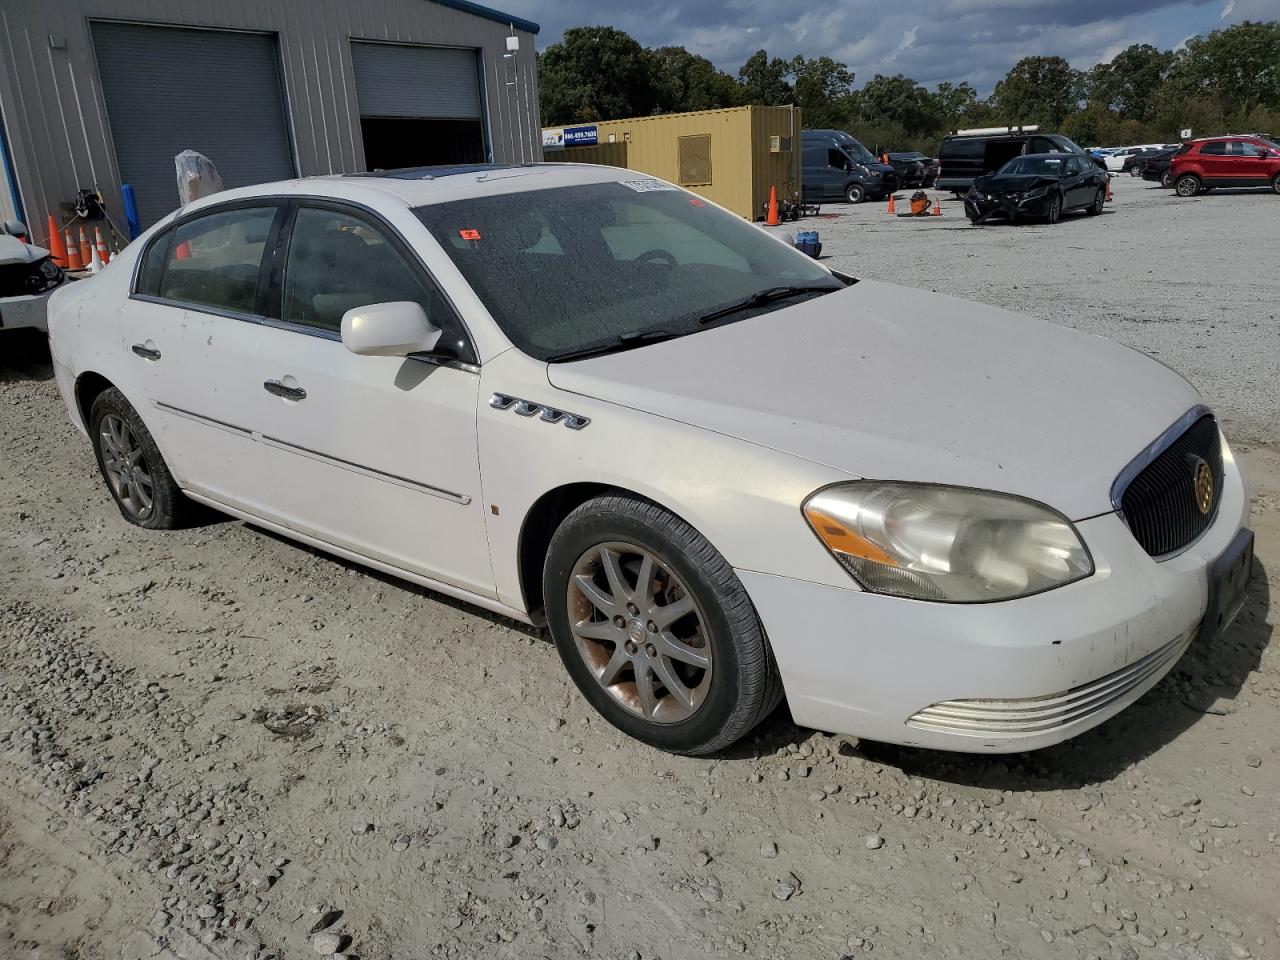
(394, 142)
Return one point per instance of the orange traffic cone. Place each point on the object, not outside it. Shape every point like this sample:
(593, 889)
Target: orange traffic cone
(100, 246)
(772, 220)
(891, 208)
(85, 253)
(57, 248)
(937, 205)
(1108, 196)
(73, 254)
(182, 251)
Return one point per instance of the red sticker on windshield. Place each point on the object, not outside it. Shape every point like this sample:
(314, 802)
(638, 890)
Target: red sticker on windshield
(469, 234)
(696, 202)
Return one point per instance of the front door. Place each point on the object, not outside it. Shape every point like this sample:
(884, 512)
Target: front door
(191, 331)
(380, 454)
(1250, 162)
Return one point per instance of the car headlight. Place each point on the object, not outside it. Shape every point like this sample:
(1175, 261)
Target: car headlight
(948, 544)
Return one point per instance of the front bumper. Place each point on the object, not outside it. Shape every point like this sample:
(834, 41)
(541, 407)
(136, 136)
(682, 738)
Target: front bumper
(985, 207)
(996, 677)
(29, 311)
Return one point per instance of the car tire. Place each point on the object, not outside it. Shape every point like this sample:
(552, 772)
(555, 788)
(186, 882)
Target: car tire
(1055, 209)
(1099, 203)
(618, 638)
(855, 193)
(1187, 185)
(1166, 180)
(1275, 183)
(1135, 172)
(131, 464)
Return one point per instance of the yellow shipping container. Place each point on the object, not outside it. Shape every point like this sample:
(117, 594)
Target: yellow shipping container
(732, 157)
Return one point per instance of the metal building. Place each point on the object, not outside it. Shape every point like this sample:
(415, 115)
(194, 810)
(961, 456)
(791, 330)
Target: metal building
(732, 156)
(98, 93)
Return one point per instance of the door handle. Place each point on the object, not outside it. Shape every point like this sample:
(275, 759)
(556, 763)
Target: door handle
(145, 352)
(280, 390)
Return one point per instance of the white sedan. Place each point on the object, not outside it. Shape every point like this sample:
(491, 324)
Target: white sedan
(720, 472)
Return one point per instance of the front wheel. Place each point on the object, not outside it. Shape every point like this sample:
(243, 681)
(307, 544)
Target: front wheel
(1055, 209)
(655, 628)
(1187, 186)
(1166, 180)
(855, 193)
(1135, 172)
(130, 462)
(1275, 183)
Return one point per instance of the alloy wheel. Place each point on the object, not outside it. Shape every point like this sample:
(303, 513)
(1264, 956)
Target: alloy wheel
(639, 632)
(125, 465)
(1187, 186)
(1055, 209)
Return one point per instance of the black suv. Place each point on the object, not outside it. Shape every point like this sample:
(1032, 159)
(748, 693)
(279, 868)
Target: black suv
(963, 158)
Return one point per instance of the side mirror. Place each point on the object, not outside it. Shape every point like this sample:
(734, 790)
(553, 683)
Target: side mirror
(394, 329)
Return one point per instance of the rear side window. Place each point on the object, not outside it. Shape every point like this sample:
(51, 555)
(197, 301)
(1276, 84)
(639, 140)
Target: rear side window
(1217, 149)
(967, 149)
(338, 261)
(214, 260)
(153, 265)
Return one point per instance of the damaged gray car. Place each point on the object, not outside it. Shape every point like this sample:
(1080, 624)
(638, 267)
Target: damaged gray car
(28, 276)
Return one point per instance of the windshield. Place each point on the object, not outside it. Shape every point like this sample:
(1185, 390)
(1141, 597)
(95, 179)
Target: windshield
(1071, 145)
(855, 149)
(1037, 166)
(566, 269)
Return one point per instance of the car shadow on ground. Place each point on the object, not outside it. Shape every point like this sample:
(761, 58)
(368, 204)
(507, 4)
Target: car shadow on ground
(396, 583)
(1205, 683)
(24, 355)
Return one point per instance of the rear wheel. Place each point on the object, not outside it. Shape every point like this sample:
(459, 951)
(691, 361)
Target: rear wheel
(1188, 185)
(130, 462)
(1135, 172)
(1099, 201)
(1166, 180)
(855, 193)
(655, 628)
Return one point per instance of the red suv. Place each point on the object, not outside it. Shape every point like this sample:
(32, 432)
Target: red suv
(1225, 162)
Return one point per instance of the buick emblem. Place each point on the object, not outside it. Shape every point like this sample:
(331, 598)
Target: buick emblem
(1203, 486)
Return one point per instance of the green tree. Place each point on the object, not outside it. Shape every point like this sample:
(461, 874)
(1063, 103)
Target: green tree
(1040, 90)
(1239, 66)
(822, 89)
(954, 104)
(898, 100)
(764, 81)
(1129, 83)
(686, 81)
(595, 73)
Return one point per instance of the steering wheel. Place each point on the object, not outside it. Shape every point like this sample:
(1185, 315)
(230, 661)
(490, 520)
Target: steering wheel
(661, 257)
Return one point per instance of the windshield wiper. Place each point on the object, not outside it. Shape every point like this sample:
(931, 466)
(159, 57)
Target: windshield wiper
(767, 295)
(626, 341)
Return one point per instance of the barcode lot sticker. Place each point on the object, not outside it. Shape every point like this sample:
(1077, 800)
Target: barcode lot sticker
(647, 186)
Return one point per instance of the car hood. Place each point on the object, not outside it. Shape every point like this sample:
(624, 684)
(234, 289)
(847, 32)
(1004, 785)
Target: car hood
(888, 382)
(1013, 182)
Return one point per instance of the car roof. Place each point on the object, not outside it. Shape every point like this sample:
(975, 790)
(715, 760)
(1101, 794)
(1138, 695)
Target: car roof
(422, 186)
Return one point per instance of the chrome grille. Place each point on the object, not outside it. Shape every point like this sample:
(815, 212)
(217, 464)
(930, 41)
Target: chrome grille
(1160, 502)
(1011, 718)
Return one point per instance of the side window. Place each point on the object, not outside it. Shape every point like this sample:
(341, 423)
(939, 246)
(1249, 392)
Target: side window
(1216, 149)
(837, 159)
(1243, 148)
(815, 157)
(213, 261)
(338, 261)
(153, 265)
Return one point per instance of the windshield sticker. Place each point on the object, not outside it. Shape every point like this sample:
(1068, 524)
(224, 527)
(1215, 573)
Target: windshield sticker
(469, 234)
(696, 202)
(646, 186)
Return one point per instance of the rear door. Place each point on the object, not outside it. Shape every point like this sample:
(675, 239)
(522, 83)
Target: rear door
(1214, 164)
(192, 330)
(379, 454)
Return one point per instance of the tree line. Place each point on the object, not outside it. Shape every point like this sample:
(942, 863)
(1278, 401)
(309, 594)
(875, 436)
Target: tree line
(1227, 81)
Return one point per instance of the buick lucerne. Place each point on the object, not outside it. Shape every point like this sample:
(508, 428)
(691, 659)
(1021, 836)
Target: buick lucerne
(720, 472)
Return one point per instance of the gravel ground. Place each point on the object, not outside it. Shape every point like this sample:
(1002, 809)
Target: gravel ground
(1192, 282)
(217, 744)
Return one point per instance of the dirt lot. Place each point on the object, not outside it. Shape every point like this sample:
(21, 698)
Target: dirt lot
(214, 742)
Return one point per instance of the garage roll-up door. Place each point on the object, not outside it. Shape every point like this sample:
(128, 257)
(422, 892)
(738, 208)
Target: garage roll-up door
(408, 81)
(169, 89)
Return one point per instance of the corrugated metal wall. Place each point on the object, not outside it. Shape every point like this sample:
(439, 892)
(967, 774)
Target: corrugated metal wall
(742, 166)
(51, 98)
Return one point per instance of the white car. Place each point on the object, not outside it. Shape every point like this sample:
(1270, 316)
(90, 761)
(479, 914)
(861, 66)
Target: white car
(28, 277)
(720, 471)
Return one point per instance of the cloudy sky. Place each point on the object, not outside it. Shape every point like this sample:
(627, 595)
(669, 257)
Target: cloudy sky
(930, 40)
